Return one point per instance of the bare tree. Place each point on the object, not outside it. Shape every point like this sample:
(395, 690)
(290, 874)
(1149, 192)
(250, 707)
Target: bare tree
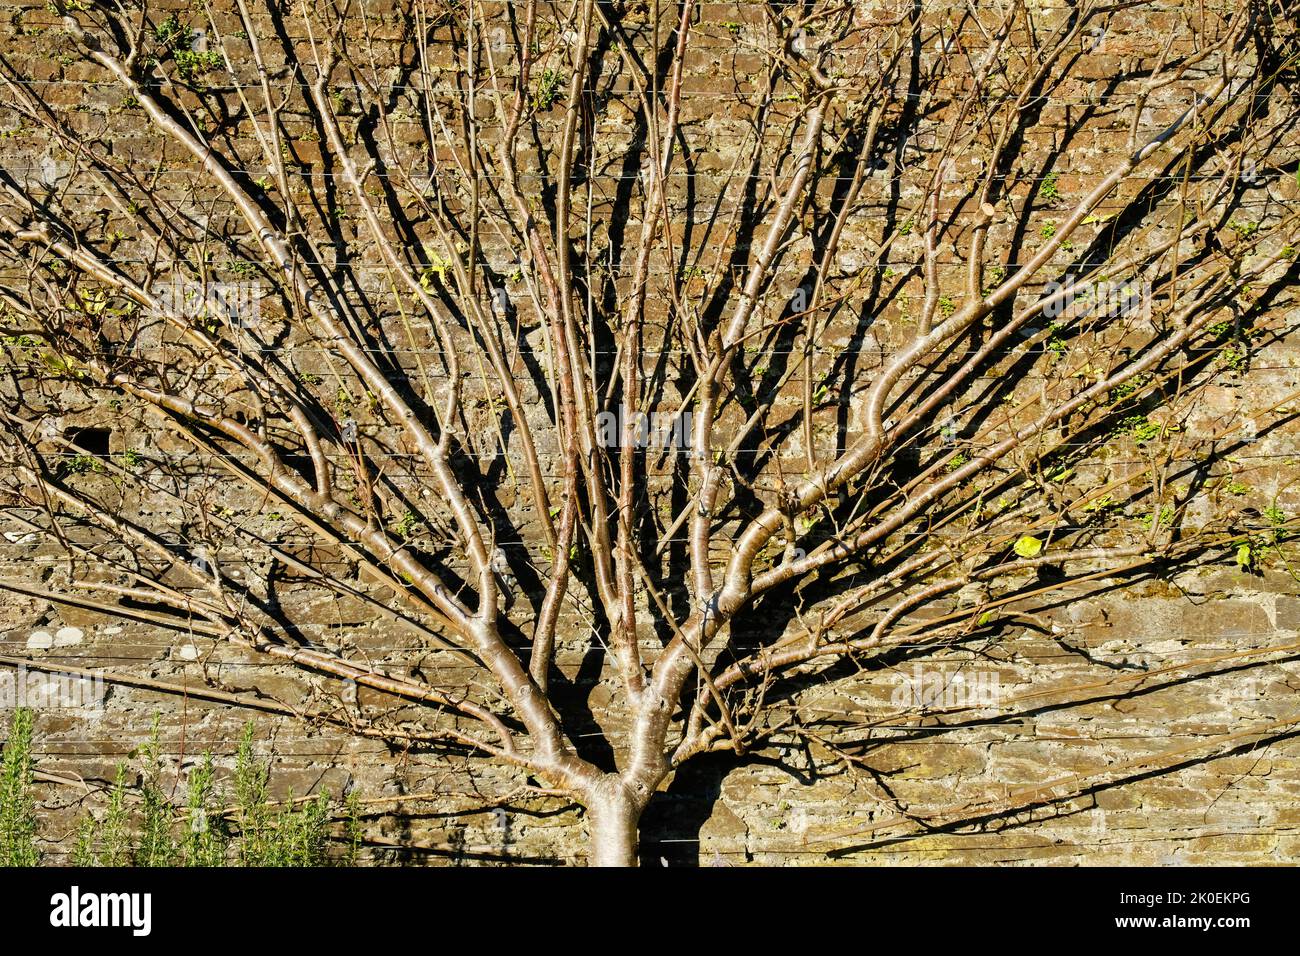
(531, 357)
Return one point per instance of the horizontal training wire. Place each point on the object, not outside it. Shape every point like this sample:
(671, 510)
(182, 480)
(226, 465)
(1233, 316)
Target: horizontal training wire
(1261, 177)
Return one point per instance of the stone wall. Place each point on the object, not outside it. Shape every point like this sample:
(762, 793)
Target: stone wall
(1142, 718)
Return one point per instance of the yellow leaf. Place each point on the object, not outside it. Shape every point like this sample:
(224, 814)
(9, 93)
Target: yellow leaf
(1028, 546)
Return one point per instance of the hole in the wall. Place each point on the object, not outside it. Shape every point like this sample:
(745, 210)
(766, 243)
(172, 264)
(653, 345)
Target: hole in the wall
(92, 441)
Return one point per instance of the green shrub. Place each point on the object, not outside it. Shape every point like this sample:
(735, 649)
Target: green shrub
(156, 848)
(147, 829)
(268, 838)
(107, 842)
(252, 801)
(205, 839)
(17, 802)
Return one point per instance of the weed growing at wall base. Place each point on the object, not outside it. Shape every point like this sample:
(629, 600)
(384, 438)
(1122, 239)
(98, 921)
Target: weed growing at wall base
(143, 825)
(17, 803)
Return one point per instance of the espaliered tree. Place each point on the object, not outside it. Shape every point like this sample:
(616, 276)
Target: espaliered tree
(428, 296)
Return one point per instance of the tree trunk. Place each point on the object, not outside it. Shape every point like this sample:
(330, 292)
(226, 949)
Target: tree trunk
(612, 820)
